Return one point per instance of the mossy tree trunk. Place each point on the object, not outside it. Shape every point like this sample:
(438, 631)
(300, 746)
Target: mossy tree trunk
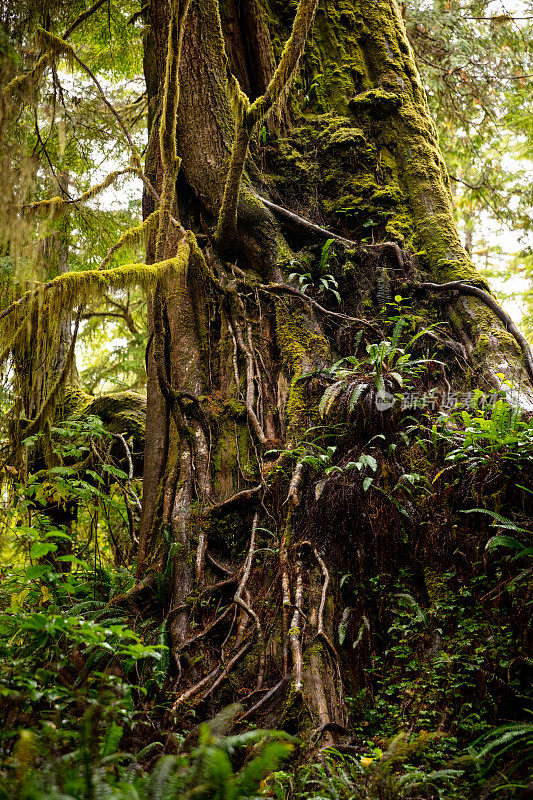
(241, 530)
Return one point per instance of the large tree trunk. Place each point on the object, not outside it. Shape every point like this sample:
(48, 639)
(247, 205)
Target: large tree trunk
(245, 537)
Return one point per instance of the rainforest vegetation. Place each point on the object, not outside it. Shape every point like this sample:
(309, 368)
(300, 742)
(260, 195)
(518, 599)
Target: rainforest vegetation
(266, 440)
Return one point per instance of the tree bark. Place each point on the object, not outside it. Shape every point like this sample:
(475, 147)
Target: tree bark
(236, 357)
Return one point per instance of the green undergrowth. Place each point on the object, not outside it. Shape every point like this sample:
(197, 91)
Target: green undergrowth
(94, 766)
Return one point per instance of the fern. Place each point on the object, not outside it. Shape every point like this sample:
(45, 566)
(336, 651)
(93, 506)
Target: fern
(329, 397)
(502, 522)
(111, 740)
(160, 779)
(397, 331)
(357, 393)
(324, 255)
(506, 736)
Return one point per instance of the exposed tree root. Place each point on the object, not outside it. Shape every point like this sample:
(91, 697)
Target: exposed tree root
(271, 692)
(236, 500)
(232, 578)
(485, 297)
(128, 597)
(207, 629)
(239, 600)
(186, 695)
(320, 626)
(286, 596)
(328, 726)
(221, 568)
(250, 389)
(226, 671)
(294, 631)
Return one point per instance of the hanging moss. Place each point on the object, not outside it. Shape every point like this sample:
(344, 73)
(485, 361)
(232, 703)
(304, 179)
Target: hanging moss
(134, 237)
(56, 205)
(54, 45)
(23, 85)
(74, 288)
(51, 207)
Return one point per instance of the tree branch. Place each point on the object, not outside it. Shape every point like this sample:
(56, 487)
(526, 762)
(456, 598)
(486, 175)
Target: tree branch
(301, 222)
(485, 297)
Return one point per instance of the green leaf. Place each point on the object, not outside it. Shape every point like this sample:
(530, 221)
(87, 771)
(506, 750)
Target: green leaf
(324, 256)
(37, 571)
(505, 541)
(40, 549)
(368, 461)
(502, 522)
(329, 397)
(117, 473)
(357, 393)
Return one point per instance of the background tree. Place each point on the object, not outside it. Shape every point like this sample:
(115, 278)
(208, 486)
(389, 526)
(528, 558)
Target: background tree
(475, 63)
